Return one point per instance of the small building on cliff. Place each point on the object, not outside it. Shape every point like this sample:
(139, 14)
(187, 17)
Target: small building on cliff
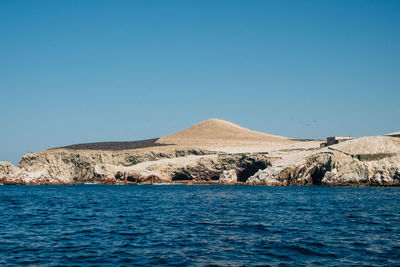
(333, 140)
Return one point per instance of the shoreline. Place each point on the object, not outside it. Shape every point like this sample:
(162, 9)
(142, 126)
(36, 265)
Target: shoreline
(348, 185)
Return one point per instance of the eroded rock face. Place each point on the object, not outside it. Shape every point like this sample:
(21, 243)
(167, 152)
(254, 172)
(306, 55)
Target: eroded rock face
(189, 168)
(343, 164)
(58, 167)
(6, 168)
(34, 178)
(228, 177)
(79, 165)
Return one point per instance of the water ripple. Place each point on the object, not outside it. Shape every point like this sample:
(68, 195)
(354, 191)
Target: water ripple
(199, 225)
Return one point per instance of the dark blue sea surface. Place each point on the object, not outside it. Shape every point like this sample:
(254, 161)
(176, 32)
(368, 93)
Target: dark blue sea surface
(199, 225)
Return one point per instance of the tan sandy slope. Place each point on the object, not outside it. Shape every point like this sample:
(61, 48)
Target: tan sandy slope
(220, 132)
(212, 134)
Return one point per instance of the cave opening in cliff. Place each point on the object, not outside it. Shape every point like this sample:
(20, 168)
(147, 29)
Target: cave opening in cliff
(319, 172)
(249, 170)
(180, 176)
(214, 178)
(318, 175)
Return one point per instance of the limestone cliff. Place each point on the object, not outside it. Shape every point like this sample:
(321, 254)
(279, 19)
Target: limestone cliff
(6, 168)
(79, 164)
(9, 174)
(362, 161)
(192, 165)
(193, 168)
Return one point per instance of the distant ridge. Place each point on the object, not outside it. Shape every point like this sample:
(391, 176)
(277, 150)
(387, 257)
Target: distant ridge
(217, 129)
(114, 145)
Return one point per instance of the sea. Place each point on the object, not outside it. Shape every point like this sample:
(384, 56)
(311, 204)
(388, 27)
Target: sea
(200, 225)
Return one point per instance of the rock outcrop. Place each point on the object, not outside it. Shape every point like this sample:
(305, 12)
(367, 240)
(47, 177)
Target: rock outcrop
(228, 177)
(35, 178)
(6, 168)
(124, 167)
(206, 168)
(9, 174)
(79, 165)
(361, 161)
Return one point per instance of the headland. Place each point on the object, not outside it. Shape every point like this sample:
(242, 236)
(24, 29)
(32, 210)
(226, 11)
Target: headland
(215, 152)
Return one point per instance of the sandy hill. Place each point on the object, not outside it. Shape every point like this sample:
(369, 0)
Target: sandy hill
(216, 131)
(207, 134)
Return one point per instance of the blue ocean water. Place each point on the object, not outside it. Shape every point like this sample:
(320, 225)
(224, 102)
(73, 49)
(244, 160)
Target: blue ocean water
(199, 225)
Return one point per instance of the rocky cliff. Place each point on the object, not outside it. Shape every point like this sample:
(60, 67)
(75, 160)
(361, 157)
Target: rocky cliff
(197, 169)
(6, 168)
(193, 165)
(63, 166)
(80, 164)
(362, 161)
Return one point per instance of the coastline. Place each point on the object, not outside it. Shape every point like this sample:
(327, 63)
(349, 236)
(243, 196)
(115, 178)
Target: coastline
(216, 152)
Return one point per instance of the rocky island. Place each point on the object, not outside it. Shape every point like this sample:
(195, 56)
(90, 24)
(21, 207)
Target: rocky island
(214, 152)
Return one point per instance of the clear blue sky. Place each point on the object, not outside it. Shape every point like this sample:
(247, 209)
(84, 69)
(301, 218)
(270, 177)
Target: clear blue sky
(83, 71)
